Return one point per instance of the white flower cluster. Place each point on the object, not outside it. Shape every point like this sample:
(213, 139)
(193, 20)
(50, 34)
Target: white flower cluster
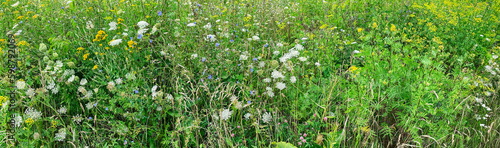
(32, 113)
(226, 114)
(266, 117)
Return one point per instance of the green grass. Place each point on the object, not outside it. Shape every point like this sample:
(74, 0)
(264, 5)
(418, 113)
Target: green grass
(308, 73)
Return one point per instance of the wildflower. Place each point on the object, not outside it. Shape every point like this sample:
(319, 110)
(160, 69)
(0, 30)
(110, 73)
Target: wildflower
(276, 74)
(112, 26)
(142, 24)
(78, 118)
(191, 24)
(95, 67)
(207, 26)
(30, 92)
(280, 85)
(211, 38)
(62, 110)
(276, 52)
(89, 105)
(293, 79)
(71, 79)
(356, 51)
(159, 13)
(374, 25)
(255, 38)
(32, 113)
(324, 118)
(393, 28)
(101, 35)
(20, 84)
(89, 25)
(83, 81)
(247, 116)
(111, 85)
(15, 4)
(119, 81)
(115, 42)
(61, 135)
(299, 47)
(226, 114)
(317, 64)
(266, 117)
(17, 121)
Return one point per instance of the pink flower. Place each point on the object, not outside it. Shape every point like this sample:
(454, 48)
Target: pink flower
(305, 123)
(232, 135)
(305, 135)
(238, 126)
(286, 121)
(300, 143)
(301, 138)
(279, 123)
(314, 115)
(325, 119)
(304, 140)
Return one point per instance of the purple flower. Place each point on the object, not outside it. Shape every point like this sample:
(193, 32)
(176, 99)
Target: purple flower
(90, 118)
(265, 45)
(106, 108)
(136, 91)
(209, 76)
(232, 40)
(201, 80)
(249, 102)
(139, 37)
(159, 13)
(217, 44)
(251, 70)
(150, 41)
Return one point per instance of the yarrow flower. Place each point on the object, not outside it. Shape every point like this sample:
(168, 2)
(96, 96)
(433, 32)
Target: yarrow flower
(247, 116)
(142, 24)
(115, 42)
(293, 79)
(226, 114)
(280, 85)
(276, 74)
(62, 110)
(32, 113)
(266, 117)
(112, 26)
(61, 135)
(20, 84)
(18, 120)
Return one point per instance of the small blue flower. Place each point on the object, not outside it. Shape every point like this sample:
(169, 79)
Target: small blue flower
(90, 118)
(100, 70)
(136, 91)
(227, 52)
(249, 102)
(131, 38)
(251, 92)
(232, 40)
(62, 7)
(21, 22)
(201, 80)
(139, 37)
(255, 59)
(209, 76)
(239, 64)
(237, 82)
(106, 108)
(236, 25)
(265, 45)
(95, 104)
(159, 13)
(251, 70)
(150, 41)
(74, 16)
(203, 60)
(217, 44)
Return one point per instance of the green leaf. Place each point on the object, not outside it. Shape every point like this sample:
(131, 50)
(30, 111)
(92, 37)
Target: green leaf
(283, 145)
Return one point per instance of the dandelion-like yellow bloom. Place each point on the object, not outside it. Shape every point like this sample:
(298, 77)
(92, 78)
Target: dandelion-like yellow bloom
(101, 35)
(353, 68)
(29, 121)
(131, 44)
(360, 29)
(85, 56)
(23, 43)
(95, 67)
(374, 25)
(393, 28)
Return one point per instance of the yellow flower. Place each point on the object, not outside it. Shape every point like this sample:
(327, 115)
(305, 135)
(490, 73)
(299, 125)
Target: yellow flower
(393, 28)
(101, 35)
(374, 25)
(95, 67)
(20, 17)
(54, 123)
(85, 56)
(131, 44)
(29, 121)
(35, 16)
(23, 43)
(360, 29)
(353, 68)
(323, 26)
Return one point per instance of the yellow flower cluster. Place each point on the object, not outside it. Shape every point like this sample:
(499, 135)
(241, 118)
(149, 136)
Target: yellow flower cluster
(23, 43)
(29, 121)
(131, 44)
(3, 100)
(101, 35)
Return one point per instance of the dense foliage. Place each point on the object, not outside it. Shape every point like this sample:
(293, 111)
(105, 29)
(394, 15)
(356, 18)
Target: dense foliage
(250, 73)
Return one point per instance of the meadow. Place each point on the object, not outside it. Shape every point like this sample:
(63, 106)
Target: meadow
(249, 73)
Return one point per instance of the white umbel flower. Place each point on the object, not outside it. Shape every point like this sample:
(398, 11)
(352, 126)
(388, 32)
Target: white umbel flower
(119, 81)
(293, 79)
(226, 114)
(208, 26)
(20, 84)
(30, 92)
(302, 59)
(279, 45)
(276, 74)
(89, 25)
(32, 113)
(280, 85)
(142, 24)
(247, 116)
(18, 120)
(299, 47)
(115, 42)
(267, 80)
(276, 52)
(211, 38)
(15, 4)
(113, 26)
(61, 135)
(191, 24)
(266, 117)
(255, 38)
(71, 79)
(83, 81)
(62, 110)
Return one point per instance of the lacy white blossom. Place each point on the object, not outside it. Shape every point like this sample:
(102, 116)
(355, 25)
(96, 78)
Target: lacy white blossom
(115, 42)
(142, 24)
(280, 85)
(266, 117)
(20, 84)
(226, 114)
(276, 74)
(293, 79)
(112, 26)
